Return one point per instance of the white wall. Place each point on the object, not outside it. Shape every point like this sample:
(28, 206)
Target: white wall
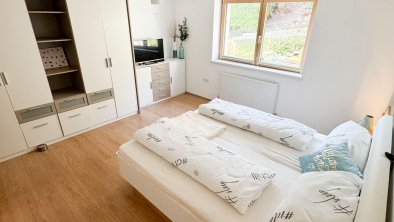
(348, 72)
(153, 21)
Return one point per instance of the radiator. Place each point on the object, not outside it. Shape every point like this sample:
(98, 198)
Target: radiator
(254, 93)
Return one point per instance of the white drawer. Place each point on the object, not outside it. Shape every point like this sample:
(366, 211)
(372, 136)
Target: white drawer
(42, 130)
(160, 67)
(75, 120)
(103, 111)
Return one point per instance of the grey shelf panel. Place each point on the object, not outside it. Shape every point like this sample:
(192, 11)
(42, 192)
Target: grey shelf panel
(60, 71)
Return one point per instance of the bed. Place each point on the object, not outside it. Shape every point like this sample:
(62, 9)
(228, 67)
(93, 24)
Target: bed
(181, 198)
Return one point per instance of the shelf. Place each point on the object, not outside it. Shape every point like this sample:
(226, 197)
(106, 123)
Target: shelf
(49, 40)
(46, 12)
(66, 93)
(61, 70)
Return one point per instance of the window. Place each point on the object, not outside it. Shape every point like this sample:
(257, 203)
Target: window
(268, 33)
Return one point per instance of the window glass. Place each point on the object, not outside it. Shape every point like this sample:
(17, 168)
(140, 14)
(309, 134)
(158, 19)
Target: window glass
(276, 30)
(285, 32)
(241, 30)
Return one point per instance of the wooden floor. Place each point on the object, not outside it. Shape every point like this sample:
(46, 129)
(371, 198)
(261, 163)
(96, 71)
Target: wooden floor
(78, 179)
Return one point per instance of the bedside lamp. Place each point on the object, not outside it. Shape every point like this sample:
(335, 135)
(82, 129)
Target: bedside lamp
(388, 111)
(368, 123)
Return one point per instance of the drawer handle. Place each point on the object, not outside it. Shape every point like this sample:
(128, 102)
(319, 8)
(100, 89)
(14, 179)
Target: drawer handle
(98, 93)
(102, 107)
(41, 125)
(32, 109)
(69, 100)
(162, 96)
(161, 90)
(73, 116)
(161, 82)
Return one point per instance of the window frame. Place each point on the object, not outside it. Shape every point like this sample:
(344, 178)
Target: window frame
(260, 34)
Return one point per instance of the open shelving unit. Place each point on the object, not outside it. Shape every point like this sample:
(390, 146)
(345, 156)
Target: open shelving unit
(52, 28)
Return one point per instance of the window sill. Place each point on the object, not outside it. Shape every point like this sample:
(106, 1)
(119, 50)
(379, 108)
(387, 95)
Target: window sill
(259, 69)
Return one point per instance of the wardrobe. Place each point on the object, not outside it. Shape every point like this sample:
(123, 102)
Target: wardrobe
(65, 66)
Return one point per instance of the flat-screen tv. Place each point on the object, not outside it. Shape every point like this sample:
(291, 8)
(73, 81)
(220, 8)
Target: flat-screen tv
(148, 51)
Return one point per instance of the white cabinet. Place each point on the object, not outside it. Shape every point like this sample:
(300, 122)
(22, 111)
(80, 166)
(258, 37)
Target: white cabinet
(42, 130)
(178, 77)
(86, 21)
(11, 136)
(117, 36)
(101, 32)
(144, 86)
(20, 61)
(159, 81)
(75, 120)
(103, 111)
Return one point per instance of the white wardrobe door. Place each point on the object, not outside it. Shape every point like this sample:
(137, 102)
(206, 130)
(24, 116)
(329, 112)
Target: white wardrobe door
(87, 25)
(20, 58)
(119, 50)
(11, 136)
(178, 77)
(144, 83)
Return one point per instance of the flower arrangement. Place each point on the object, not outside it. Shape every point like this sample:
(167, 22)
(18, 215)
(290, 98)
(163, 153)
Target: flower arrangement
(183, 35)
(183, 30)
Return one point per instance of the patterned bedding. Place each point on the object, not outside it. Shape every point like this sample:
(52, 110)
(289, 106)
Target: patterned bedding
(285, 131)
(236, 180)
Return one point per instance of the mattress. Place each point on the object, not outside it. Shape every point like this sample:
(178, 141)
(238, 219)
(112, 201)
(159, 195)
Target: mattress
(203, 203)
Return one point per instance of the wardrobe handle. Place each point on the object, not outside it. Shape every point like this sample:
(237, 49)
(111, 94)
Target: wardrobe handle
(4, 78)
(171, 79)
(110, 62)
(106, 63)
(150, 85)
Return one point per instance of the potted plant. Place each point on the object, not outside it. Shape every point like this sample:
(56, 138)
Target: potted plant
(183, 34)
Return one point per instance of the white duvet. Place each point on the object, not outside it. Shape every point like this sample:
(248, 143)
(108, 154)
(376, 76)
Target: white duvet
(285, 131)
(330, 196)
(236, 180)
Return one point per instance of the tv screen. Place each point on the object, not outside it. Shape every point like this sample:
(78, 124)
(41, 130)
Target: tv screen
(150, 50)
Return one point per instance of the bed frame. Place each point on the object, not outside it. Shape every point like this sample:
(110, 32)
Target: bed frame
(375, 198)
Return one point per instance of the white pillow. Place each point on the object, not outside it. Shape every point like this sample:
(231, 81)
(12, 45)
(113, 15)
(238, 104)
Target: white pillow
(357, 138)
(328, 196)
(282, 130)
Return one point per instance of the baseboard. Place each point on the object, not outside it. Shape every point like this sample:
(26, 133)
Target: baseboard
(65, 137)
(197, 95)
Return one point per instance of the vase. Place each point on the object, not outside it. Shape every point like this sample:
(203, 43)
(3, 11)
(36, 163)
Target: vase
(174, 51)
(181, 52)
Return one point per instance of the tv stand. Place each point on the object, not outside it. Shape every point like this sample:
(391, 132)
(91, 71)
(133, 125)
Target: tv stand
(160, 80)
